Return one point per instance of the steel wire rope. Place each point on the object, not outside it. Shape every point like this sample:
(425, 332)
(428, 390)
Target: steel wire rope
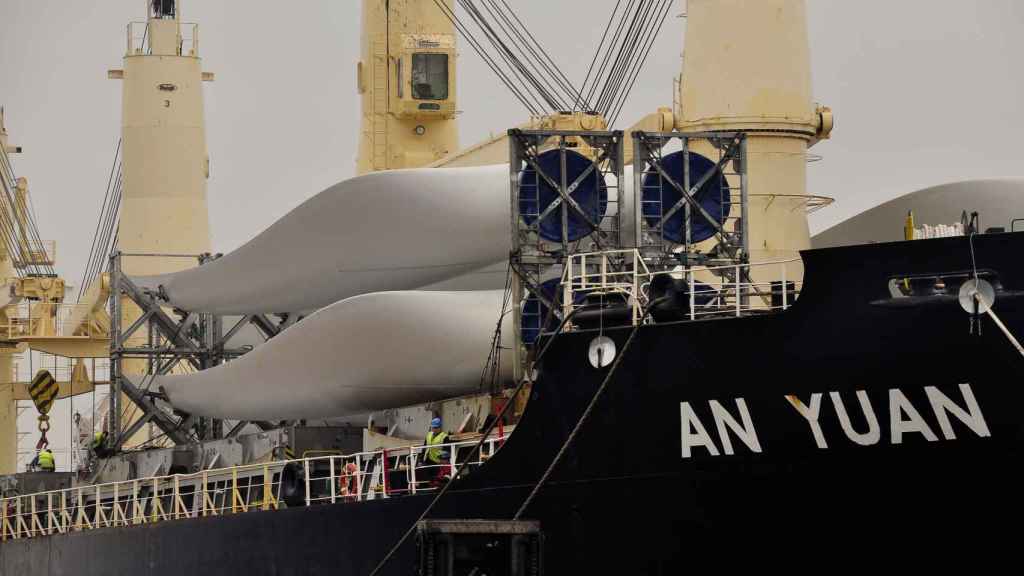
(634, 54)
(9, 236)
(624, 56)
(33, 235)
(541, 49)
(579, 424)
(8, 218)
(110, 221)
(483, 438)
(608, 53)
(617, 50)
(29, 228)
(506, 54)
(487, 58)
(524, 97)
(593, 60)
(536, 50)
(617, 109)
(492, 366)
(99, 221)
(526, 51)
(620, 54)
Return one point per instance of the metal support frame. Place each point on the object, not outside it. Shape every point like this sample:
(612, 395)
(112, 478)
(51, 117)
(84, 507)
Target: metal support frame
(196, 340)
(535, 259)
(731, 235)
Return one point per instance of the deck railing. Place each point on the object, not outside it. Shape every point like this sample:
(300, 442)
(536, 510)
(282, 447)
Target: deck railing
(737, 289)
(315, 479)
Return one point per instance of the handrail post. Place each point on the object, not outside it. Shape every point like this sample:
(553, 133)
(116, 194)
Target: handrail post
(305, 469)
(334, 487)
(359, 477)
(693, 297)
(384, 467)
(785, 287)
(117, 502)
(452, 459)
(267, 492)
(202, 492)
(49, 513)
(136, 513)
(412, 469)
(739, 299)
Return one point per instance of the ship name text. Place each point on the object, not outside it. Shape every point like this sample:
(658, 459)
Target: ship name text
(733, 428)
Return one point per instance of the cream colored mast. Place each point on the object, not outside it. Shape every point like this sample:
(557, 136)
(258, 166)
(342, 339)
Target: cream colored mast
(165, 164)
(407, 82)
(747, 67)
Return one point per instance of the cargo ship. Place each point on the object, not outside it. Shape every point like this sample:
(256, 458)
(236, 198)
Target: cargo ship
(628, 355)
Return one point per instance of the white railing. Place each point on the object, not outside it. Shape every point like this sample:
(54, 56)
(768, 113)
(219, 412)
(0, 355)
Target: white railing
(320, 479)
(612, 273)
(29, 318)
(713, 291)
(139, 39)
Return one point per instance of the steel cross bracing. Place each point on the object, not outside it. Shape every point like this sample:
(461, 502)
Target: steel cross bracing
(195, 341)
(728, 152)
(536, 259)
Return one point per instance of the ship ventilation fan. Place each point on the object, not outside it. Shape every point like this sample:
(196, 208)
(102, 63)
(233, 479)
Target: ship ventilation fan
(661, 199)
(539, 189)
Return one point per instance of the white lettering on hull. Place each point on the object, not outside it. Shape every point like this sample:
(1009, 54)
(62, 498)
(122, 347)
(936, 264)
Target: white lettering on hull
(904, 420)
(695, 435)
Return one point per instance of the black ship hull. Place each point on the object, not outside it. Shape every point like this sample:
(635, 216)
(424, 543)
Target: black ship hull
(851, 424)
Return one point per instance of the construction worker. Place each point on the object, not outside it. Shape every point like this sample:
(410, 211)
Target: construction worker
(45, 460)
(99, 444)
(436, 458)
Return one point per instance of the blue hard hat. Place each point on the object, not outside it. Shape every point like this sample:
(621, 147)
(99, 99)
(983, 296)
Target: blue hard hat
(435, 423)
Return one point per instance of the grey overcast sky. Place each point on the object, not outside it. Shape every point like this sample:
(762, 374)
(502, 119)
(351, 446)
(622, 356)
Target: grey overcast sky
(924, 91)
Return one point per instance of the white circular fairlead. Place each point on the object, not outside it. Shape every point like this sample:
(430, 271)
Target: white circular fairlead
(979, 291)
(602, 352)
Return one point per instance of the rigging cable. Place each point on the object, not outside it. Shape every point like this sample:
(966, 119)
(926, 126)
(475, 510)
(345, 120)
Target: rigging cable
(487, 58)
(24, 229)
(525, 50)
(617, 108)
(539, 52)
(625, 55)
(579, 424)
(593, 61)
(476, 448)
(608, 52)
(510, 58)
(86, 277)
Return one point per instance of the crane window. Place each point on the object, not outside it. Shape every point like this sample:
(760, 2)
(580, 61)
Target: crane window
(430, 76)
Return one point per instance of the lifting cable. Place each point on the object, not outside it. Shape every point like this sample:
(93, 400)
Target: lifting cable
(476, 448)
(617, 64)
(510, 58)
(623, 56)
(609, 50)
(579, 424)
(492, 367)
(579, 97)
(105, 236)
(535, 49)
(638, 66)
(19, 228)
(532, 107)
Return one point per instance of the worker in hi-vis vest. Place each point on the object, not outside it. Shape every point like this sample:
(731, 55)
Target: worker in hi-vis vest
(45, 460)
(436, 457)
